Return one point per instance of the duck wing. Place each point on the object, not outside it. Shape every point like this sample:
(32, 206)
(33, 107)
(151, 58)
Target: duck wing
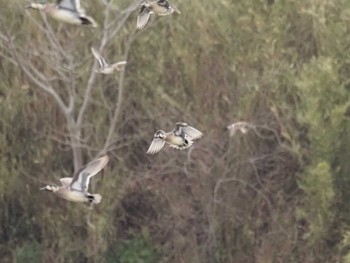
(99, 58)
(143, 17)
(183, 128)
(133, 6)
(67, 4)
(119, 65)
(81, 178)
(156, 145)
(66, 181)
(72, 5)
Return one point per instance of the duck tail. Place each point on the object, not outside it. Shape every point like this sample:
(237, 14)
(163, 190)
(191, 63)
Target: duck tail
(86, 20)
(94, 198)
(188, 141)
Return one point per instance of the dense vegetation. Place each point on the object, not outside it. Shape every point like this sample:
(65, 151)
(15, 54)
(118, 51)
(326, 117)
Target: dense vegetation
(279, 193)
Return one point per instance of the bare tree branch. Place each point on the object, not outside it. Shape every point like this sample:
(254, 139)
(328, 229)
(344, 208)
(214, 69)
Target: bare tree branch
(43, 86)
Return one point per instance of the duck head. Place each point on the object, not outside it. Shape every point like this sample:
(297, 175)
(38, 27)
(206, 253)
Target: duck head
(50, 188)
(159, 134)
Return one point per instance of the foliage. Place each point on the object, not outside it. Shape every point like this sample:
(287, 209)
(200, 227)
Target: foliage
(317, 184)
(278, 193)
(28, 253)
(137, 249)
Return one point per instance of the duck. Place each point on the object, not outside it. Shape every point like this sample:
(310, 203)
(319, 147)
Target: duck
(241, 126)
(181, 137)
(75, 188)
(159, 7)
(68, 11)
(106, 68)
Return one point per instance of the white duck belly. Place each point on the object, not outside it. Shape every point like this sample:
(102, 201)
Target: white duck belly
(74, 196)
(65, 16)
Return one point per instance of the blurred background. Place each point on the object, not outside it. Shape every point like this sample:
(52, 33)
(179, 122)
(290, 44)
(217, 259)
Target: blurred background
(278, 193)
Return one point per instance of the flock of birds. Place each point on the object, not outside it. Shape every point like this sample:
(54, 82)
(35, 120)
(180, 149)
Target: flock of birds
(181, 137)
(71, 12)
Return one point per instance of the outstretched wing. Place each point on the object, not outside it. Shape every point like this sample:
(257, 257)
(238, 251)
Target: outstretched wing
(174, 8)
(99, 58)
(156, 145)
(143, 17)
(132, 7)
(81, 178)
(182, 127)
(78, 6)
(68, 4)
(66, 181)
(119, 65)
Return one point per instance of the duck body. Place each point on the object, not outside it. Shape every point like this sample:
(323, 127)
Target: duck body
(160, 7)
(181, 141)
(65, 15)
(75, 196)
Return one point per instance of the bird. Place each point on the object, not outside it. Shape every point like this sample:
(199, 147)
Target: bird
(242, 126)
(105, 68)
(68, 11)
(181, 137)
(75, 188)
(159, 7)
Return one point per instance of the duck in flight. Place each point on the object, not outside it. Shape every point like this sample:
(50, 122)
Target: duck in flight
(181, 137)
(106, 68)
(68, 11)
(241, 126)
(148, 7)
(75, 188)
